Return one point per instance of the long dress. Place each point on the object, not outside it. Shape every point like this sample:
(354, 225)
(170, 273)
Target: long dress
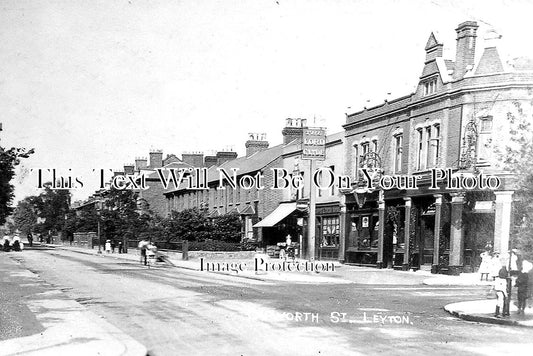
(485, 266)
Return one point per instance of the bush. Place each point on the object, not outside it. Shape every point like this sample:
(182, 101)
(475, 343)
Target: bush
(214, 245)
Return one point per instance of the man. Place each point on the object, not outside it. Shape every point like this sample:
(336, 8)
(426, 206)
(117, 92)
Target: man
(143, 245)
(30, 238)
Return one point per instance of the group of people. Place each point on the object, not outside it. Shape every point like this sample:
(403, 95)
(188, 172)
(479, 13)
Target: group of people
(12, 244)
(148, 251)
(110, 246)
(519, 275)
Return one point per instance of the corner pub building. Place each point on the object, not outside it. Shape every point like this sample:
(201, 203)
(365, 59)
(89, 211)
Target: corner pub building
(458, 117)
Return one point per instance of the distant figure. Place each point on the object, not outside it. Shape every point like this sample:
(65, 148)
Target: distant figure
(7, 244)
(522, 286)
(500, 287)
(151, 251)
(108, 246)
(41, 238)
(120, 247)
(288, 240)
(16, 246)
(143, 244)
(496, 265)
(485, 266)
(113, 245)
(30, 239)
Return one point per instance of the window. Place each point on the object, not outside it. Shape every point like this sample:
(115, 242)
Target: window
(420, 149)
(435, 145)
(374, 145)
(430, 86)
(428, 146)
(365, 148)
(398, 142)
(330, 231)
(484, 138)
(356, 161)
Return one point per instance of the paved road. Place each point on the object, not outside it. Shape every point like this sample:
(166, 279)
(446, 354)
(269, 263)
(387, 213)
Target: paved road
(182, 312)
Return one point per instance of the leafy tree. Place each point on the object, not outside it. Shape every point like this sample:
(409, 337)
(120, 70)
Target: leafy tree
(25, 218)
(189, 224)
(9, 159)
(227, 228)
(516, 156)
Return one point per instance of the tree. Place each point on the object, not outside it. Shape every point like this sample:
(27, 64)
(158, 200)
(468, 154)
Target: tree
(227, 228)
(25, 218)
(189, 224)
(9, 159)
(516, 155)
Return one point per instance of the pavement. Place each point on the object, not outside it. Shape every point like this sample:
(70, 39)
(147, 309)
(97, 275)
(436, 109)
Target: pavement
(41, 320)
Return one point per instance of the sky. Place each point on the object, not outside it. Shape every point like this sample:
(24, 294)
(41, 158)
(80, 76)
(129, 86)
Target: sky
(94, 84)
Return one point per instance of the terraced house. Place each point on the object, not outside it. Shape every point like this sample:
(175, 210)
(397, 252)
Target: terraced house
(457, 120)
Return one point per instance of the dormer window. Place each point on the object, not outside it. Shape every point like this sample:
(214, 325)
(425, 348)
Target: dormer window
(430, 86)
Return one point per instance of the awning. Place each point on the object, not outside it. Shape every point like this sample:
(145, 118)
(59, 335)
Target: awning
(281, 212)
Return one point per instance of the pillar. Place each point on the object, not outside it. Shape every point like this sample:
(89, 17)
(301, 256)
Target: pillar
(436, 234)
(407, 230)
(381, 228)
(456, 234)
(342, 229)
(502, 221)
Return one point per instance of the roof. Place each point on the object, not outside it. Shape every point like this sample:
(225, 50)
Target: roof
(386, 107)
(249, 164)
(490, 62)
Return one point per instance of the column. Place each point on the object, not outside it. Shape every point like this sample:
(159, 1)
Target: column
(436, 234)
(342, 229)
(502, 221)
(407, 230)
(381, 229)
(456, 234)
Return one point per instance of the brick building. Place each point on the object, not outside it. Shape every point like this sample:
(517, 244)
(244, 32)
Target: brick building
(457, 118)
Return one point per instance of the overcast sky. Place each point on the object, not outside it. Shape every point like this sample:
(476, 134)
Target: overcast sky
(93, 84)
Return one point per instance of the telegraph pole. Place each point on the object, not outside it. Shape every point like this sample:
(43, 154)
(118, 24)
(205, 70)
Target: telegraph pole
(312, 213)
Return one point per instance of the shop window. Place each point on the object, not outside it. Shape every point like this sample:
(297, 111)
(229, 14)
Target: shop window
(364, 231)
(330, 231)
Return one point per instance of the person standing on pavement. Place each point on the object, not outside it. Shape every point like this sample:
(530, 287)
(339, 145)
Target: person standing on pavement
(143, 244)
(522, 284)
(30, 239)
(108, 246)
(500, 287)
(120, 247)
(485, 266)
(496, 265)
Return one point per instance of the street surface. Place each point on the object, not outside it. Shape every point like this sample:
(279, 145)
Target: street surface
(174, 311)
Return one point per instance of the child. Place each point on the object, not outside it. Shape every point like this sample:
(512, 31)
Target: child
(108, 246)
(521, 284)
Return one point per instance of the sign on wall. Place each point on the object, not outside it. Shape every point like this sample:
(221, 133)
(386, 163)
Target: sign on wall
(314, 143)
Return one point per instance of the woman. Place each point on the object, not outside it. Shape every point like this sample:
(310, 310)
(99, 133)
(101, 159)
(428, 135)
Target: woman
(485, 266)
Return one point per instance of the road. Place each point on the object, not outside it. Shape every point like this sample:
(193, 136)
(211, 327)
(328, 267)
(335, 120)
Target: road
(176, 311)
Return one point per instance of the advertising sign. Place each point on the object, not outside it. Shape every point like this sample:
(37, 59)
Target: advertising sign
(314, 144)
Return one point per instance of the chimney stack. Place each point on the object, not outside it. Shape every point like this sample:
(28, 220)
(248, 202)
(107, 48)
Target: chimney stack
(129, 169)
(156, 159)
(293, 130)
(140, 163)
(210, 161)
(224, 156)
(256, 142)
(466, 48)
(195, 159)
